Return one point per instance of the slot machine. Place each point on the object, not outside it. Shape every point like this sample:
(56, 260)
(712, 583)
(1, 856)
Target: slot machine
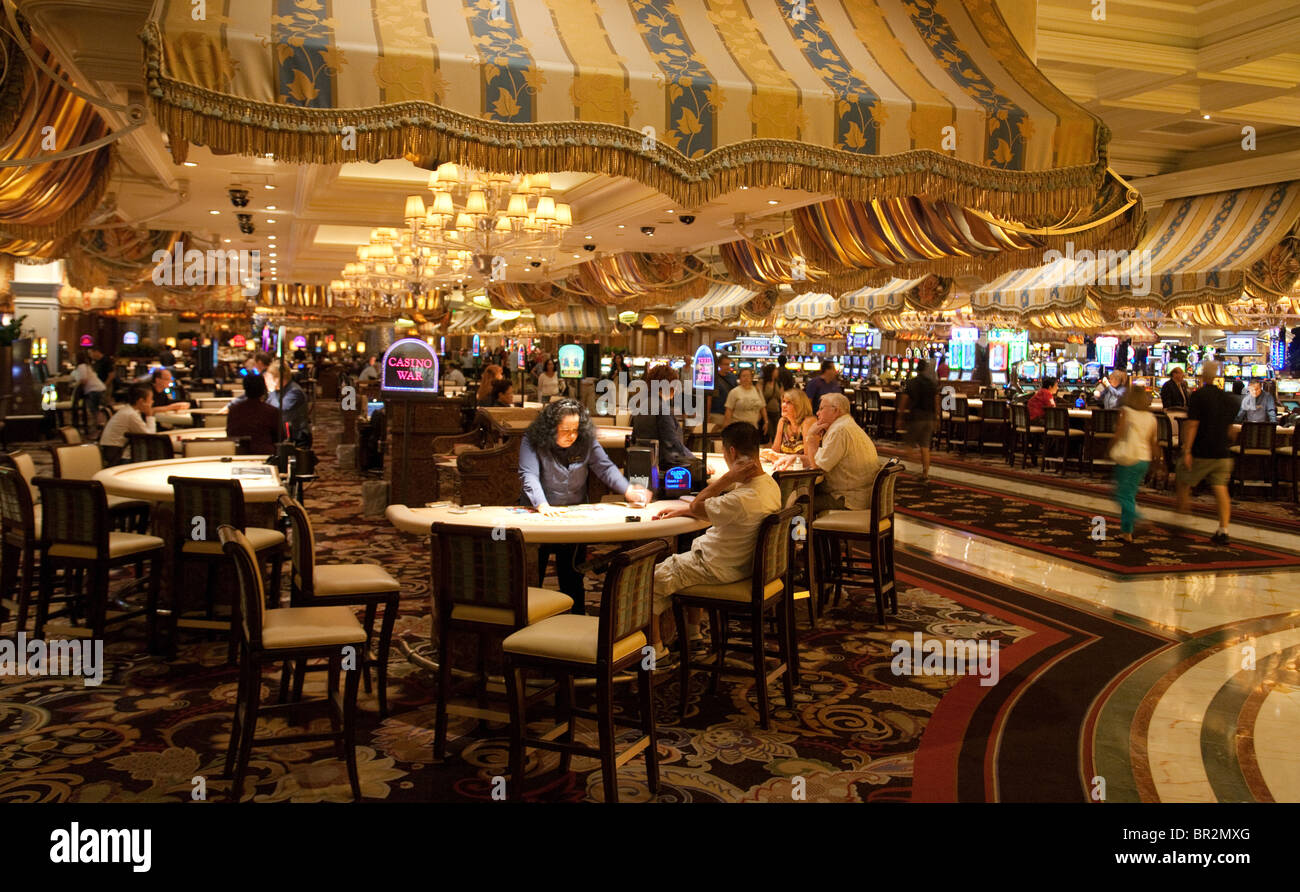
(1073, 370)
(1092, 373)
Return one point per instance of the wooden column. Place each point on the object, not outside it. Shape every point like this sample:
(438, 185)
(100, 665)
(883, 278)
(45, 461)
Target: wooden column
(409, 463)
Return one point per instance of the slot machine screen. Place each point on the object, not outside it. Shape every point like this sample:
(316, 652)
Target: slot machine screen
(1231, 370)
(999, 378)
(1029, 370)
(1073, 370)
(1052, 368)
(966, 374)
(1144, 383)
(1259, 370)
(1092, 371)
(812, 366)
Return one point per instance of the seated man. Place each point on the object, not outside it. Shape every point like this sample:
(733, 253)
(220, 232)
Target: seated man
(844, 452)
(1043, 400)
(735, 504)
(1257, 405)
(135, 417)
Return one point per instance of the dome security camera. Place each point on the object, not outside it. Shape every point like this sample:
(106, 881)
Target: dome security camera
(535, 264)
(239, 197)
(688, 219)
(589, 247)
(647, 230)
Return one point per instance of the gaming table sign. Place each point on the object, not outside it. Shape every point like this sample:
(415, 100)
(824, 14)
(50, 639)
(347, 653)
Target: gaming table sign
(702, 369)
(411, 367)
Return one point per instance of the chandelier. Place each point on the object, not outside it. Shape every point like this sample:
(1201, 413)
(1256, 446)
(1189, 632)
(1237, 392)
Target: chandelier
(476, 225)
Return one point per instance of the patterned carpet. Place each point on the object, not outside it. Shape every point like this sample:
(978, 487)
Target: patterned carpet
(1066, 533)
(856, 732)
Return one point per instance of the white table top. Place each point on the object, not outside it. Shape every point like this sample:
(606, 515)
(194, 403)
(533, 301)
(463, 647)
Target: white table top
(195, 433)
(603, 522)
(148, 480)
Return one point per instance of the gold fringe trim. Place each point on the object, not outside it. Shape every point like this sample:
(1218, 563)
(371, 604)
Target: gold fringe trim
(230, 124)
(70, 220)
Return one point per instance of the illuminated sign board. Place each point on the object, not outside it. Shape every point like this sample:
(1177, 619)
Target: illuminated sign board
(239, 341)
(1240, 344)
(702, 369)
(410, 366)
(677, 480)
(476, 346)
(131, 337)
(300, 343)
(572, 360)
(87, 341)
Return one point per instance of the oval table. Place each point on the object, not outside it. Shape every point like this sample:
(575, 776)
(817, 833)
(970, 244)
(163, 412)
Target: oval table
(195, 433)
(148, 479)
(186, 418)
(589, 524)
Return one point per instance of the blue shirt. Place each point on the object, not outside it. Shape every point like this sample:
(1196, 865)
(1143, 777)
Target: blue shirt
(1111, 396)
(1261, 409)
(548, 481)
(818, 387)
(726, 383)
(294, 407)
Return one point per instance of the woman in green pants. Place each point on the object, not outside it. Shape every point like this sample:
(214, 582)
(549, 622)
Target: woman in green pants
(1133, 449)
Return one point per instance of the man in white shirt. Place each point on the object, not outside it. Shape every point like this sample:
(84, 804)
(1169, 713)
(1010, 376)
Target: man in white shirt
(133, 418)
(735, 504)
(455, 376)
(846, 455)
(371, 370)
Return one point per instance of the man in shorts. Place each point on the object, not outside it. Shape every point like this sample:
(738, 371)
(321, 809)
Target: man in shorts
(919, 404)
(1204, 437)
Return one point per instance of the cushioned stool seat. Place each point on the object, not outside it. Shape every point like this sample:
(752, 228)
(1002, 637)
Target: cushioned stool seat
(848, 522)
(570, 637)
(542, 603)
(343, 579)
(740, 590)
(258, 537)
(119, 545)
(310, 627)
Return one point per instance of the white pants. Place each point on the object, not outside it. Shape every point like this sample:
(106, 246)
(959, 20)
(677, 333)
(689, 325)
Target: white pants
(678, 572)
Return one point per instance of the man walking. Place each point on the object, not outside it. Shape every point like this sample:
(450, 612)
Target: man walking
(919, 404)
(1204, 435)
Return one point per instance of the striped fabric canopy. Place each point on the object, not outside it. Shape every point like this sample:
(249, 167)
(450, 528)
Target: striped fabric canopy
(468, 320)
(812, 308)
(722, 302)
(863, 99)
(1211, 248)
(1059, 285)
(890, 297)
(574, 320)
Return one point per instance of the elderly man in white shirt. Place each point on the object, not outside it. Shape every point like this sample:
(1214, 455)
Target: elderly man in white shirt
(846, 455)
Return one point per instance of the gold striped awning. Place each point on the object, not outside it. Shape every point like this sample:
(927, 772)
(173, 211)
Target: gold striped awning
(1214, 248)
(858, 98)
(574, 320)
(468, 321)
(1059, 285)
(720, 303)
(812, 308)
(894, 296)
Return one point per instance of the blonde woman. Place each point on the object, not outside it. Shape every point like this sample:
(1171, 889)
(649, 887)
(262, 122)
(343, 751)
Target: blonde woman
(796, 420)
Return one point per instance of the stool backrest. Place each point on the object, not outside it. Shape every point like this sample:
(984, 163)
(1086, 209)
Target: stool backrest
(1164, 428)
(74, 513)
(214, 420)
(71, 436)
(216, 502)
(772, 550)
(194, 448)
(627, 604)
(988, 393)
(302, 550)
(1104, 421)
(150, 447)
(960, 406)
(882, 494)
(1056, 418)
(1259, 435)
(993, 409)
(873, 399)
(79, 462)
(252, 597)
(17, 512)
(23, 463)
(479, 567)
(1019, 416)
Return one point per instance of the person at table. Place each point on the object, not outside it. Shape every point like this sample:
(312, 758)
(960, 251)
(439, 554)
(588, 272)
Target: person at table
(135, 416)
(796, 421)
(258, 363)
(548, 381)
(371, 370)
(503, 395)
(284, 394)
(725, 381)
(841, 449)
(735, 504)
(772, 392)
(919, 405)
(1203, 436)
(745, 403)
(454, 377)
(826, 381)
(490, 374)
(161, 381)
(251, 416)
(557, 454)
(1257, 405)
(659, 422)
(1043, 399)
(90, 388)
(1111, 390)
(1174, 393)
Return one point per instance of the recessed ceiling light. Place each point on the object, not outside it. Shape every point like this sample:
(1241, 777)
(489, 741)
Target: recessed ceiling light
(214, 213)
(271, 237)
(268, 186)
(575, 256)
(670, 211)
(621, 226)
(271, 207)
(269, 220)
(191, 163)
(226, 240)
(1206, 117)
(771, 201)
(744, 187)
(272, 253)
(588, 238)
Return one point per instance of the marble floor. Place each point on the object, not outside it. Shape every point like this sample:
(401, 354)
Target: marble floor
(1213, 717)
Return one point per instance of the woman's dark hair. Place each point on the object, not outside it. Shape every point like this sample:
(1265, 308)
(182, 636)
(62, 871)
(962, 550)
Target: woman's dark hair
(769, 373)
(500, 386)
(1048, 381)
(541, 433)
(548, 366)
(254, 387)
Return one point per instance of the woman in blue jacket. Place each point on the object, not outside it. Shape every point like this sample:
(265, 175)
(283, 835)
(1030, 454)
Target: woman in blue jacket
(558, 452)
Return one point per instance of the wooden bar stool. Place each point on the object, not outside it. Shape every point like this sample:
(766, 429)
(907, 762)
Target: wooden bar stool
(150, 447)
(363, 585)
(75, 538)
(1255, 446)
(1099, 436)
(577, 646)
(766, 593)
(200, 507)
(274, 636)
(873, 527)
(83, 462)
(480, 589)
(1059, 437)
(994, 426)
(20, 533)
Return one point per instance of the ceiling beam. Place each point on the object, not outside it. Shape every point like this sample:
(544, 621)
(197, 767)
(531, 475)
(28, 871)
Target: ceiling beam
(1240, 174)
